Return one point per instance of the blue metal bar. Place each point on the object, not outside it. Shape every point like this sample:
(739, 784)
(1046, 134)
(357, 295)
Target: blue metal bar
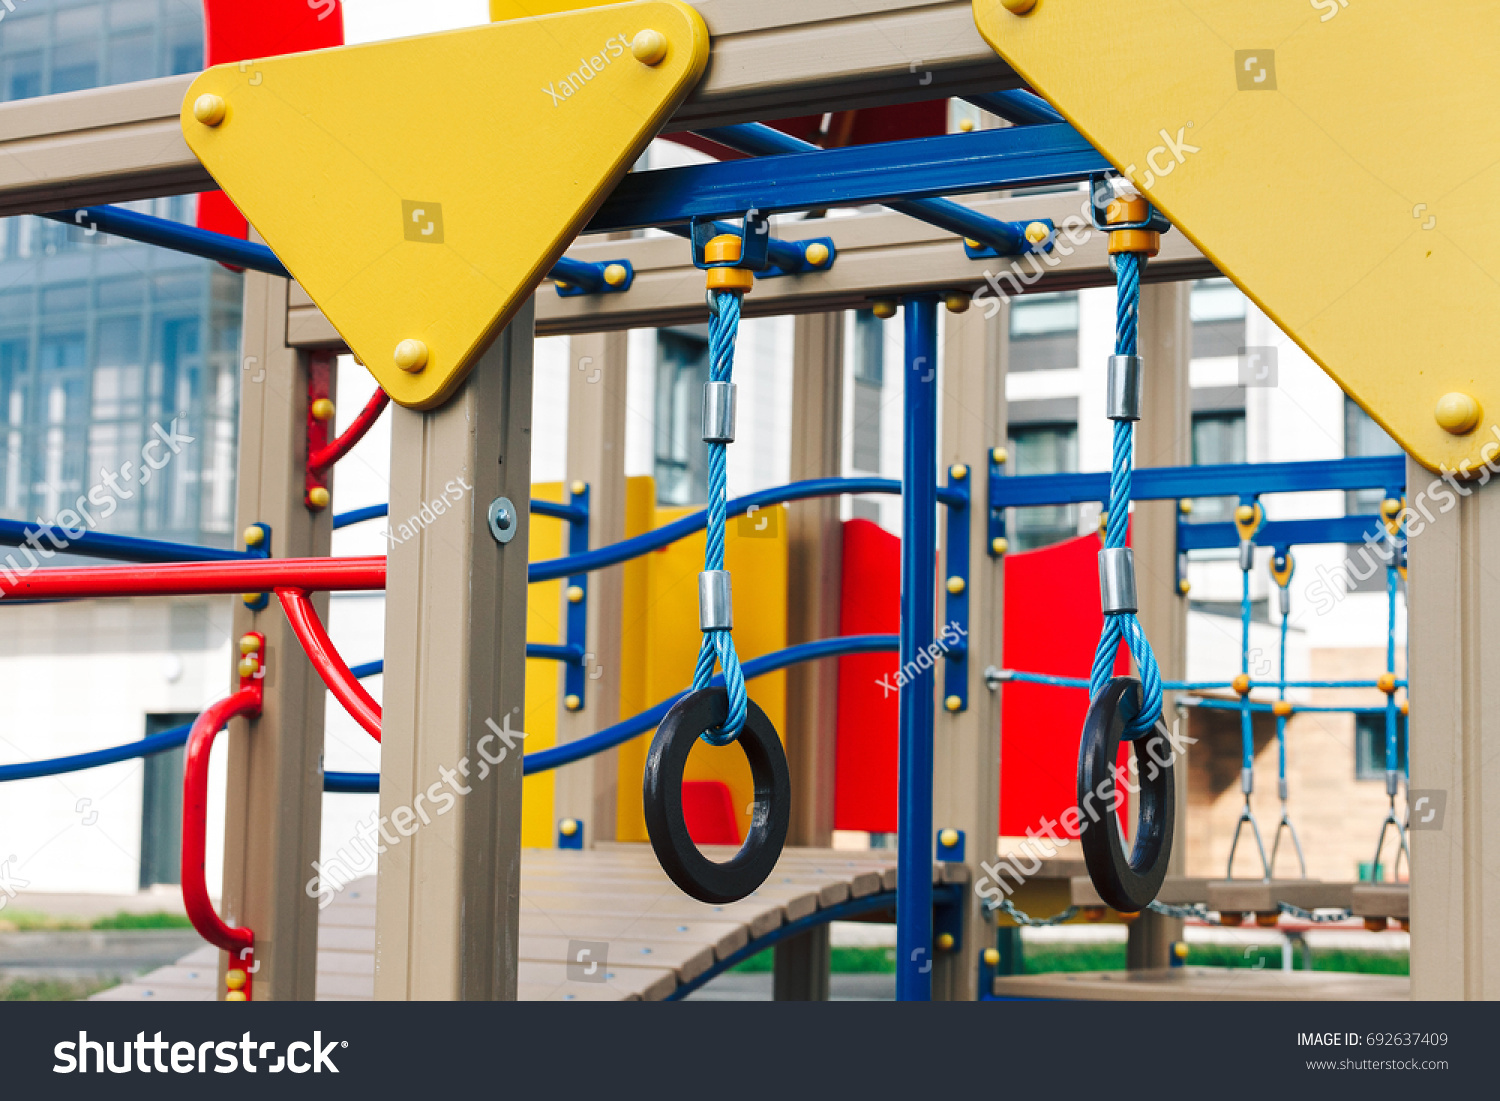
(246, 254)
(956, 617)
(157, 743)
(1054, 681)
(1159, 483)
(576, 625)
(760, 140)
(360, 515)
(1018, 107)
(571, 653)
(948, 895)
(922, 168)
(636, 725)
(625, 550)
(571, 512)
(50, 539)
(1257, 705)
(914, 945)
(1277, 533)
(368, 669)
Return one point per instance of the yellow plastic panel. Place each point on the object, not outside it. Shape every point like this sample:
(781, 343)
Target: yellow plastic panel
(419, 189)
(669, 644)
(543, 624)
(501, 10)
(1336, 161)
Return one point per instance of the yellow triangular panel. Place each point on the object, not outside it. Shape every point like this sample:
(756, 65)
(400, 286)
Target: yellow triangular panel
(419, 189)
(1337, 161)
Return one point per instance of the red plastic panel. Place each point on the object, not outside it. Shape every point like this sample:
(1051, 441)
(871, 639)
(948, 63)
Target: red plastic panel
(238, 31)
(1052, 625)
(708, 810)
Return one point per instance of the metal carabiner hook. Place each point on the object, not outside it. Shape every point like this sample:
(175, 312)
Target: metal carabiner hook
(707, 881)
(1125, 884)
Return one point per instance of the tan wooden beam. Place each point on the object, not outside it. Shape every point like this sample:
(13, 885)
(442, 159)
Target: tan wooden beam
(274, 800)
(447, 918)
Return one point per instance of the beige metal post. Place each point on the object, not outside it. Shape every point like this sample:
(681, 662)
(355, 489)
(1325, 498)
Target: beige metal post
(1453, 589)
(455, 658)
(274, 803)
(966, 759)
(588, 790)
(814, 567)
(1163, 438)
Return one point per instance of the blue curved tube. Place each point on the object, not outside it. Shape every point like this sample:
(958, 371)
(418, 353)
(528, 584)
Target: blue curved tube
(157, 743)
(54, 539)
(621, 732)
(360, 515)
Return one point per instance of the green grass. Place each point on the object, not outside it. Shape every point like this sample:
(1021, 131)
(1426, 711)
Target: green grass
(845, 961)
(1041, 959)
(50, 990)
(30, 921)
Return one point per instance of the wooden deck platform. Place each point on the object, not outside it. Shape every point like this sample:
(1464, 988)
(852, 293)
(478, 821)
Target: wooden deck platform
(1206, 984)
(647, 937)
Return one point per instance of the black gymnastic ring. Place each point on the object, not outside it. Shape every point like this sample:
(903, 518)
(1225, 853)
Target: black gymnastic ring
(1127, 885)
(705, 880)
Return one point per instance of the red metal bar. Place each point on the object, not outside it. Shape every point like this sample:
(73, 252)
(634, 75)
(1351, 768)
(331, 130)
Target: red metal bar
(326, 660)
(198, 579)
(239, 943)
(330, 453)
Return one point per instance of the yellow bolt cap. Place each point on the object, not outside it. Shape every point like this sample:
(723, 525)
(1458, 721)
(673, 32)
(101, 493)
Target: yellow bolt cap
(953, 703)
(817, 254)
(1037, 232)
(236, 996)
(955, 585)
(254, 535)
(1405, 707)
(615, 274)
(945, 942)
(999, 455)
(999, 545)
(411, 355)
(1180, 950)
(1386, 682)
(649, 47)
(235, 980)
(1185, 507)
(249, 644)
(949, 838)
(1458, 413)
(1282, 708)
(569, 827)
(572, 703)
(210, 109)
(992, 957)
(958, 472)
(575, 594)
(578, 488)
(966, 125)
(973, 244)
(1242, 684)
(247, 666)
(884, 308)
(318, 497)
(956, 302)
(251, 598)
(1184, 586)
(1018, 7)
(1244, 514)
(322, 409)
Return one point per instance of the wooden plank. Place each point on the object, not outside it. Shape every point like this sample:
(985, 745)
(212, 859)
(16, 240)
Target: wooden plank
(455, 656)
(770, 59)
(1256, 896)
(686, 961)
(724, 937)
(1193, 984)
(759, 915)
(550, 982)
(1387, 900)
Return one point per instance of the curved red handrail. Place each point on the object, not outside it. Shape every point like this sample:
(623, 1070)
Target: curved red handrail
(239, 943)
(336, 449)
(202, 578)
(326, 660)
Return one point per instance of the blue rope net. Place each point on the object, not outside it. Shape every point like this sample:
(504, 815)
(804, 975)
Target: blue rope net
(1125, 625)
(723, 329)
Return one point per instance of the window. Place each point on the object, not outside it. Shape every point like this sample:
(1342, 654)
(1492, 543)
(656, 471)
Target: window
(681, 370)
(869, 385)
(1362, 436)
(1043, 449)
(1218, 437)
(1044, 332)
(1369, 745)
(161, 806)
(1217, 309)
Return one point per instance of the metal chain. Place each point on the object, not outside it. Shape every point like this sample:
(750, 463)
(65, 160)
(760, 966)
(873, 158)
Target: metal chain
(1021, 917)
(1319, 919)
(1197, 911)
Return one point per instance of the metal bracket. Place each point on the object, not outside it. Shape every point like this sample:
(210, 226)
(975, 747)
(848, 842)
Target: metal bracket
(570, 834)
(956, 587)
(1101, 194)
(599, 283)
(975, 250)
(575, 673)
(320, 368)
(997, 543)
(773, 271)
(260, 547)
(754, 235)
(954, 853)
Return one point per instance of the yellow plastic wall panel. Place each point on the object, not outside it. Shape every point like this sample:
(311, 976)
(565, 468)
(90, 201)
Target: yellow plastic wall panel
(758, 562)
(543, 624)
(501, 10)
(419, 189)
(1337, 161)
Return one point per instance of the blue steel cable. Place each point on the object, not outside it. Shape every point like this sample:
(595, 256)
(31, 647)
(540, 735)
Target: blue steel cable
(1392, 756)
(1281, 719)
(1124, 624)
(723, 329)
(1247, 730)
